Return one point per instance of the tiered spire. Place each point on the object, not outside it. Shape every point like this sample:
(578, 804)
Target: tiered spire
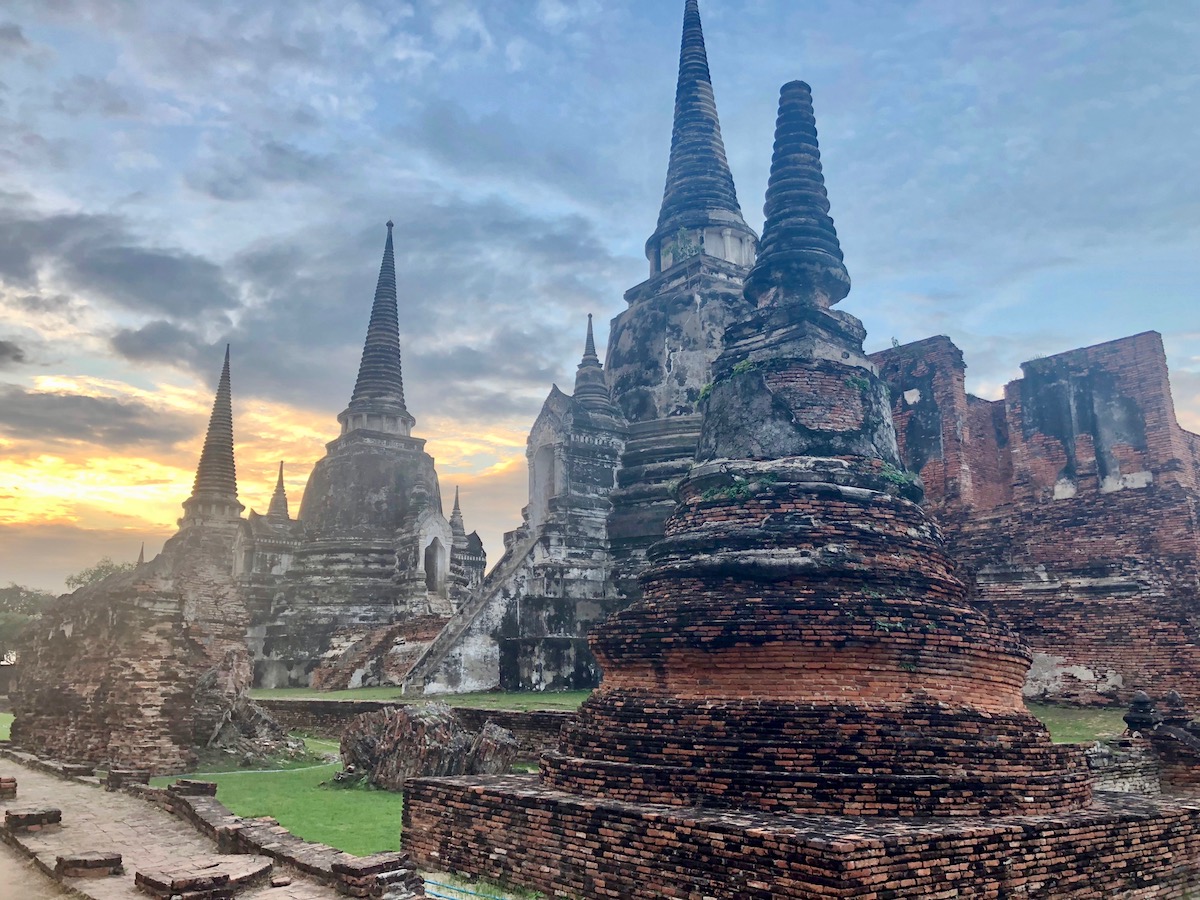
(279, 504)
(378, 399)
(214, 492)
(591, 385)
(799, 251)
(456, 519)
(699, 191)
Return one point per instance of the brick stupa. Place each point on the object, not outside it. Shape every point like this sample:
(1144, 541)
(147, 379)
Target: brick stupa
(803, 704)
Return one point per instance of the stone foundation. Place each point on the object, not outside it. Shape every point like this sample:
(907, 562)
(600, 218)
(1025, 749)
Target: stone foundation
(510, 829)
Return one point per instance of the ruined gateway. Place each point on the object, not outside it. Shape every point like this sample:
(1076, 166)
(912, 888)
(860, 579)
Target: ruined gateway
(1070, 507)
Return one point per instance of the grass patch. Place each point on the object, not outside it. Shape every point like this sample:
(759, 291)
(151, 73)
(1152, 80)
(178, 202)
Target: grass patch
(1073, 726)
(6, 720)
(520, 700)
(358, 820)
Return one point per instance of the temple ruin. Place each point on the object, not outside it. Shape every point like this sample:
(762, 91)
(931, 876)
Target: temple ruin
(803, 703)
(1070, 505)
(351, 592)
(144, 668)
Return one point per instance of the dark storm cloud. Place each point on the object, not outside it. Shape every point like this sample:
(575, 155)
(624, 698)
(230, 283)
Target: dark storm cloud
(41, 416)
(11, 354)
(99, 257)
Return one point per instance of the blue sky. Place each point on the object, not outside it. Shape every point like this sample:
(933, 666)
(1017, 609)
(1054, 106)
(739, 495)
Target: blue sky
(1018, 175)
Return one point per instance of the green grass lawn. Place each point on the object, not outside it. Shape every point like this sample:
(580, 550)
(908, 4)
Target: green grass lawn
(523, 700)
(356, 820)
(6, 720)
(1072, 726)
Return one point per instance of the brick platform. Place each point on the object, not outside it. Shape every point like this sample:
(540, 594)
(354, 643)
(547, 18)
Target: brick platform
(511, 829)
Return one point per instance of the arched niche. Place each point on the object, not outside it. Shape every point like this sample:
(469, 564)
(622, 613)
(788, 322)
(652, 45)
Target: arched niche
(542, 483)
(437, 565)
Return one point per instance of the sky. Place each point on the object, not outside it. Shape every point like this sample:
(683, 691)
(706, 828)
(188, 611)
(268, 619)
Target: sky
(1020, 175)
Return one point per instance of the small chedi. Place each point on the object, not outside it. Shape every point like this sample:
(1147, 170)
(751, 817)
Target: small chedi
(803, 703)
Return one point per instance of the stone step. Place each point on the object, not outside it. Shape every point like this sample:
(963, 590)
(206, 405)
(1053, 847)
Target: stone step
(89, 864)
(28, 819)
(204, 878)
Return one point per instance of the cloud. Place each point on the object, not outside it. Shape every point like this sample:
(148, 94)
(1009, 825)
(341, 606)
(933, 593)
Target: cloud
(12, 38)
(105, 421)
(96, 255)
(86, 94)
(269, 163)
(43, 555)
(11, 354)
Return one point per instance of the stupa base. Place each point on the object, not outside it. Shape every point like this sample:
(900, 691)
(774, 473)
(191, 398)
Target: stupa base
(512, 829)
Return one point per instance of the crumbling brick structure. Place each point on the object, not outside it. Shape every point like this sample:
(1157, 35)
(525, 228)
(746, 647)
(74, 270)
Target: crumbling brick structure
(1072, 507)
(144, 667)
(805, 660)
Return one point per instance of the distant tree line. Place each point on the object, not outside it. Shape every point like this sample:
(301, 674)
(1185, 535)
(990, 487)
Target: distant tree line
(20, 606)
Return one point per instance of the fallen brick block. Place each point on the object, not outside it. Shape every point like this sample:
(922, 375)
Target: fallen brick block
(90, 864)
(32, 819)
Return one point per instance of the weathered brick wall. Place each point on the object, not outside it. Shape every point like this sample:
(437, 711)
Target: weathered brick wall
(141, 668)
(1078, 521)
(1125, 846)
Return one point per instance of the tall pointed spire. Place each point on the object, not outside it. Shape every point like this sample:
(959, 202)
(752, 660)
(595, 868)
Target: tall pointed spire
(214, 492)
(591, 384)
(456, 519)
(141, 560)
(799, 257)
(279, 504)
(700, 211)
(377, 403)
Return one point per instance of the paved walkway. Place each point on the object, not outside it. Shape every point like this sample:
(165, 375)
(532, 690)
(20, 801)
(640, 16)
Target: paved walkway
(146, 837)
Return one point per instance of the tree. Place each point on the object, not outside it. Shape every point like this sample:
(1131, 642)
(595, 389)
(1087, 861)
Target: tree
(98, 572)
(19, 607)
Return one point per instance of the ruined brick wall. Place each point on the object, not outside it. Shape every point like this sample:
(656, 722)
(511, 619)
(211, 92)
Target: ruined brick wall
(535, 730)
(522, 834)
(141, 668)
(1075, 517)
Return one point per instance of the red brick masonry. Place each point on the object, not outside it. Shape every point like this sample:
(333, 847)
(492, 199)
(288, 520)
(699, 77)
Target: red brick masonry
(509, 828)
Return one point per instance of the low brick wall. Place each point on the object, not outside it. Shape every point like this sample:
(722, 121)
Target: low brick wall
(509, 828)
(536, 730)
